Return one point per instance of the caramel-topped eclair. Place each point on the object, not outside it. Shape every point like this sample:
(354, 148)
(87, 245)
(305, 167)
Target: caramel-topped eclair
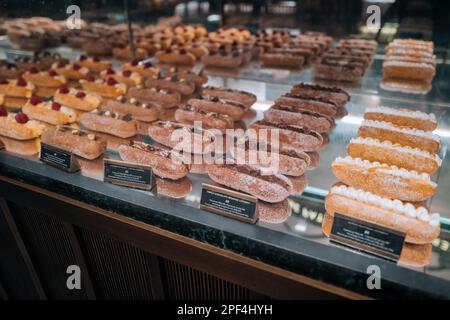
(49, 111)
(394, 153)
(107, 88)
(383, 179)
(18, 126)
(71, 71)
(130, 78)
(48, 78)
(77, 99)
(418, 224)
(93, 63)
(19, 88)
(403, 117)
(144, 69)
(411, 137)
(175, 56)
(107, 121)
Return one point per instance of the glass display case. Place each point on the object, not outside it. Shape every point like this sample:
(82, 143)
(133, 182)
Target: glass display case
(295, 248)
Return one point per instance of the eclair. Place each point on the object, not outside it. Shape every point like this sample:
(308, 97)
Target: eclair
(175, 56)
(107, 88)
(288, 115)
(418, 224)
(383, 179)
(267, 187)
(48, 78)
(107, 121)
(161, 160)
(410, 137)
(210, 120)
(262, 155)
(141, 111)
(128, 77)
(395, 154)
(181, 136)
(77, 99)
(415, 255)
(81, 143)
(144, 69)
(246, 98)
(233, 109)
(403, 117)
(18, 126)
(164, 98)
(173, 83)
(72, 71)
(290, 137)
(313, 91)
(19, 88)
(49, 111)
(93, 63)
(319, 105)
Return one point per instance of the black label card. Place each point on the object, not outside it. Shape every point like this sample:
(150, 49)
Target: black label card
(128, 174)
(229, 203)
(368, 237)
(58, 158)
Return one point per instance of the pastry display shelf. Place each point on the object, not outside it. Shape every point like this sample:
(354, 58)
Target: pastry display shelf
(297, 245)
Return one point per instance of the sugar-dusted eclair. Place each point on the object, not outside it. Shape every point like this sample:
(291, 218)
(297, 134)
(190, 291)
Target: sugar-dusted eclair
(403, 117)
(393, 153)
(418, 224)
(383, 179)
(413, 138)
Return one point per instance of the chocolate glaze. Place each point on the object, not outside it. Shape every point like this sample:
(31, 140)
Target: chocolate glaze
(322, 88)
(298, 129)
(302, 111)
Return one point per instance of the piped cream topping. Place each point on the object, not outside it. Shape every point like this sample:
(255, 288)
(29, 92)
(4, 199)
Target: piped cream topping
(389, 126)
(399, 207)
(395, 146)
(403, 113)
(383, 167)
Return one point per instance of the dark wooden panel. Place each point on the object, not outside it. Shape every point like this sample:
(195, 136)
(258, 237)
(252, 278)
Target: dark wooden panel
(118, 270)
(50, 247)
(19, 279)
(184, 283)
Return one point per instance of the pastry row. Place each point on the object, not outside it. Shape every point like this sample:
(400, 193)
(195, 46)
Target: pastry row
(387, 176)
